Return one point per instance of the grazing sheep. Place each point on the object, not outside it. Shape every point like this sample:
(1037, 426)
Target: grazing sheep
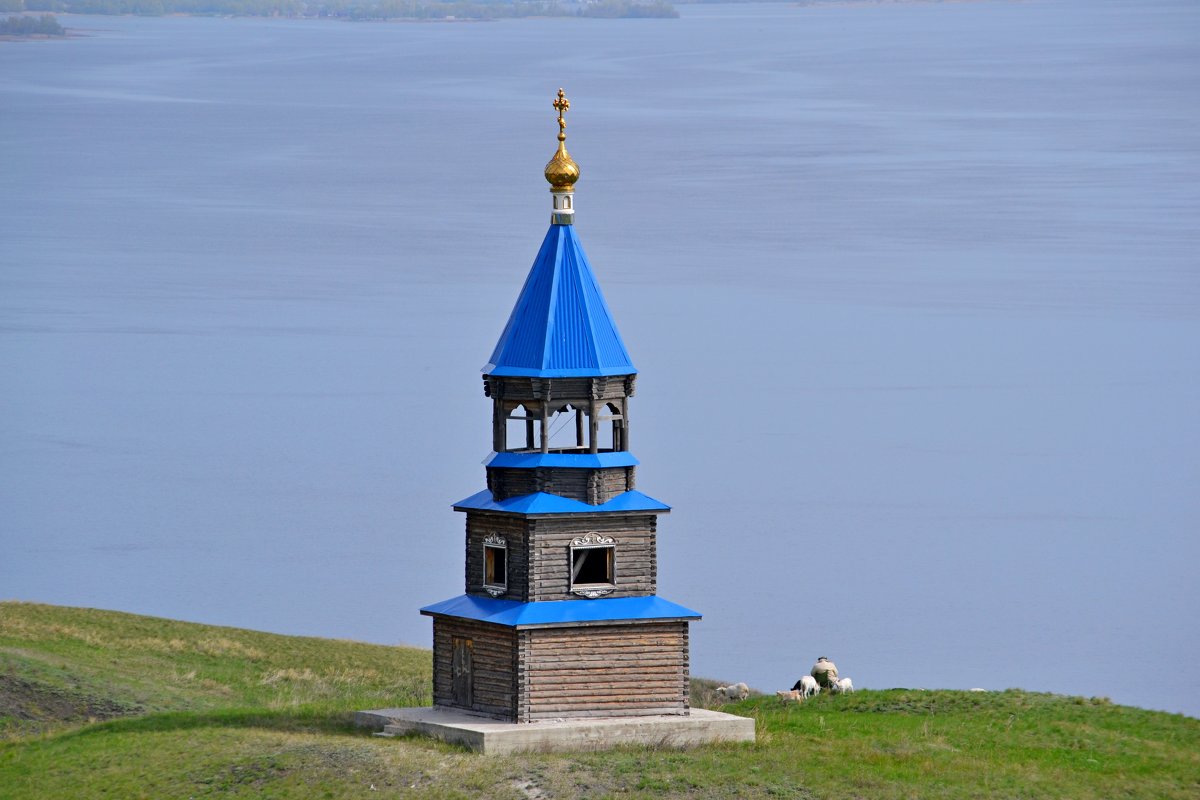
(807, 685)
(843, 686)
(790, 696)
(735, 691)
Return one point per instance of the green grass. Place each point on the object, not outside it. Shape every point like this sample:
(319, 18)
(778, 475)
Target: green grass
(104, 704)
(106, 664)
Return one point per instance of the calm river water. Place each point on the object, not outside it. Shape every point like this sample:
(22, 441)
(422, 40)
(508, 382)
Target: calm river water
(912, 288)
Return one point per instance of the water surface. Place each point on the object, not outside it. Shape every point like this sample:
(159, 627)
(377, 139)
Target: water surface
(912, 289)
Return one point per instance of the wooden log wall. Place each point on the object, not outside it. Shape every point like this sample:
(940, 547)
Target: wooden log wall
(559, 389)
(539, 553)
(593, 486)
(603, 671)
(515, 533)
(635, 557)
(494, 666)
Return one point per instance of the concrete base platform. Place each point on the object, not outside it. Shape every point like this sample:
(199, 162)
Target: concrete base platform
(493, 737)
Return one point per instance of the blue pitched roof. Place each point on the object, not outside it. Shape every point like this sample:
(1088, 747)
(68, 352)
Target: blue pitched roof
(560, 327)
(515, 614)
(621, 458)
(545, 503)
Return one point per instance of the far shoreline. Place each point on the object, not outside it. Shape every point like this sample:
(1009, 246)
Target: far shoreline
(414, 11)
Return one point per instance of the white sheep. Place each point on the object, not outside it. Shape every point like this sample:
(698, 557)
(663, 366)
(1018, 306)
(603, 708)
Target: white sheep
(735, 691)
(842, 686)
(808, 685)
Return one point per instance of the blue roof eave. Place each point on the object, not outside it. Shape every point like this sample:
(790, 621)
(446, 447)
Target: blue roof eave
(515, 614)
(578, 460)
(579, 372)
(540, 503)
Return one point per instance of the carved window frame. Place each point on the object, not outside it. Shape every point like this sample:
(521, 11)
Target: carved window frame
(593, 541)
(491, 543)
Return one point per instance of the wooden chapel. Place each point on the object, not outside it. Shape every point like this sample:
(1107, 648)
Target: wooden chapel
(560, 617)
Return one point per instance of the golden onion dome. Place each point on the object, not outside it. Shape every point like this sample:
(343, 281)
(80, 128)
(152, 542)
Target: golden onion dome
(562, 171)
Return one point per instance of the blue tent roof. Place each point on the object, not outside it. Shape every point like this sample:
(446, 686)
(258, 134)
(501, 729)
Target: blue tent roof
(515, 614)
(574, 460)
(545, 503)
(560, 326)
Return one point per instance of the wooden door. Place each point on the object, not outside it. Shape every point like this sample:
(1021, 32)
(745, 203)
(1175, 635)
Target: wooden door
(461, 676)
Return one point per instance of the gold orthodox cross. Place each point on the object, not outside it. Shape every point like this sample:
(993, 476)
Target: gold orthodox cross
(561, 104)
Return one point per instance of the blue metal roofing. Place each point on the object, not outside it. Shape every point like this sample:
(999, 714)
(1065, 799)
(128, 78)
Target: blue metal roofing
(575, 460)
(544, 503)
(515, 614)
(560, 327)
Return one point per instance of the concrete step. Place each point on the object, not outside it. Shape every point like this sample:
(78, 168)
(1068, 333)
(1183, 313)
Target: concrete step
(487, 735)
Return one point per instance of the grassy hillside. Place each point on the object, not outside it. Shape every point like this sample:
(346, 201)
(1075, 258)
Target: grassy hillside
(103, 704)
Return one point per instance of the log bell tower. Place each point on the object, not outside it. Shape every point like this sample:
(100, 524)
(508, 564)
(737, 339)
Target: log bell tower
(561, 616)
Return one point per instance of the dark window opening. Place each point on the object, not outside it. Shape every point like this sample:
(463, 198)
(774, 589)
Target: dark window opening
(592, 565)
(495, 566)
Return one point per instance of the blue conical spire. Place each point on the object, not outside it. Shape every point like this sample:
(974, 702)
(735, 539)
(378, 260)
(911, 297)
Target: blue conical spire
(560, 327)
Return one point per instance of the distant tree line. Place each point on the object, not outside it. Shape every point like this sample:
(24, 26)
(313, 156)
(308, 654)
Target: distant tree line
(432, 9)
(359, 9)
(623, 9)
(44, 25)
